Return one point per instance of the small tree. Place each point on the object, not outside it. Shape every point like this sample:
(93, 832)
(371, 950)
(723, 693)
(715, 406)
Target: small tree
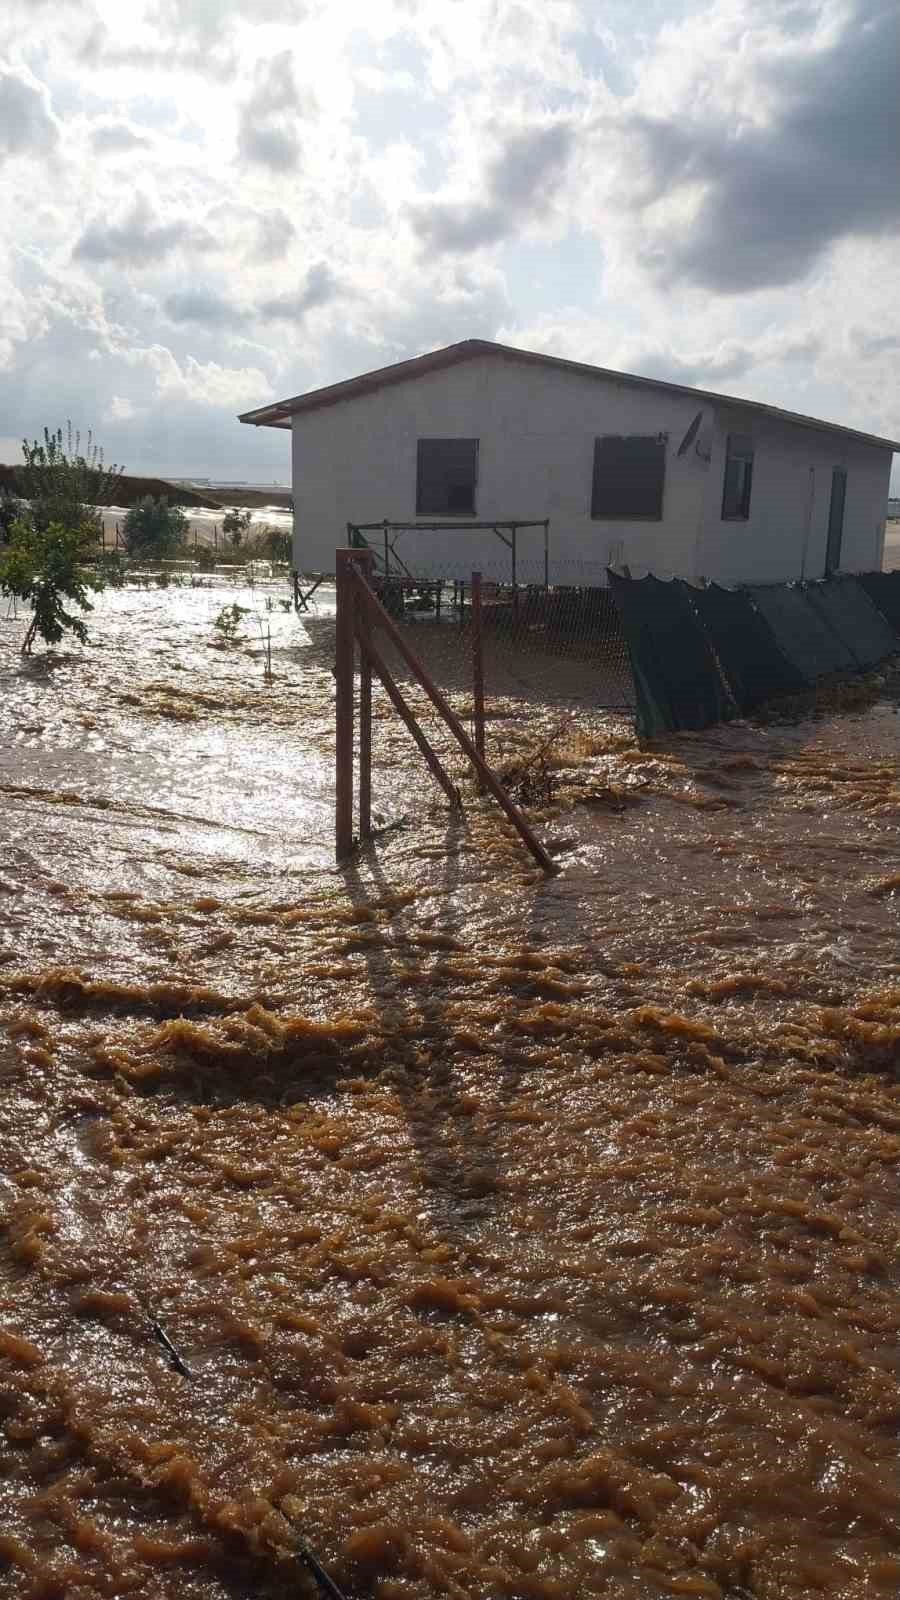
(10, 511)
(62, 483)
(154, 530)
(44, 567)
(234, 525)
(278, 544)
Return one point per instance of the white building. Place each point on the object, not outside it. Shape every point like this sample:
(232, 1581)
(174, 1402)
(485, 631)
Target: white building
(627, 470)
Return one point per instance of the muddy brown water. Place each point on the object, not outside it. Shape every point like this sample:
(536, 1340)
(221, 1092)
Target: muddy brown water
(523, 1238)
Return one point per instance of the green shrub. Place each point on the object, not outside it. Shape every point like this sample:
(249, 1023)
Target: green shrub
(228, 622)
(154, 530)
(62, 484)
(266, 544)
(11, 509)
(235, 525)
(45, 568)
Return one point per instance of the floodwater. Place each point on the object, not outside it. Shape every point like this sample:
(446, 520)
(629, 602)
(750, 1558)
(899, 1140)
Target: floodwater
(522, 1237)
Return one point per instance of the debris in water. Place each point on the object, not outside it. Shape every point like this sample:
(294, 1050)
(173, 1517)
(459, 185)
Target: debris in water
(313, 1565)
(162, 1338)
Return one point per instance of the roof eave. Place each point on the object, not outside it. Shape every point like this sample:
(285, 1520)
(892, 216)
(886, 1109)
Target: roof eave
(281, 413)
(267, 417)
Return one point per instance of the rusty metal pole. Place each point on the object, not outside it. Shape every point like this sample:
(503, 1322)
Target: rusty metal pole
(382, 620)
(431, 760)
(343, 716)
(365, 563)
(478, 667)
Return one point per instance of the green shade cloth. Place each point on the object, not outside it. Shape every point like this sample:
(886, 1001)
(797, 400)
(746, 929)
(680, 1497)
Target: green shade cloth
(845, 605)
(755, 668)
(883, 589)
(801, 632)
(676, 679)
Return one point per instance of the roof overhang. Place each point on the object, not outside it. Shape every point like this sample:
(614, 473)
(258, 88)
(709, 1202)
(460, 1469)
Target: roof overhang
(280, 414)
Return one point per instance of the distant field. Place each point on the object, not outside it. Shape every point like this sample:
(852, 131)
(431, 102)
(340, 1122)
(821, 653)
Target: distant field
(892, 546)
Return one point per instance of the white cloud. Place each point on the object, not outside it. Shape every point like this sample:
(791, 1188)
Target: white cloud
(141, 238)
(520, 179)
(27, 124)
(202, 383)
(268, 131)
(121, 410)
(250, 197)
(110, 137)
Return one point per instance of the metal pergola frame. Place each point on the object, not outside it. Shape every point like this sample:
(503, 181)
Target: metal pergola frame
(505, 528)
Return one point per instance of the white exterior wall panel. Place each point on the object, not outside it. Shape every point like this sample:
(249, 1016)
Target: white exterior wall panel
(786, 533)
(356, 462)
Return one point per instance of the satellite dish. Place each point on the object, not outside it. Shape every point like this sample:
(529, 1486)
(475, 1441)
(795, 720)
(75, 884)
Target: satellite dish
(690, 436)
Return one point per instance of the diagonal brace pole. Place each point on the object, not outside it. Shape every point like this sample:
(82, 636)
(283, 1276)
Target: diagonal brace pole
(380, 618)
(429, 756)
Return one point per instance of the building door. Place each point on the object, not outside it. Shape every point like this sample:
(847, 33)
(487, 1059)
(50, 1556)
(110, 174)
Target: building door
(836, 520)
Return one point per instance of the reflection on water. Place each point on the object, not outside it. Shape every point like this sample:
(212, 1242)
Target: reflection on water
(525, 1238)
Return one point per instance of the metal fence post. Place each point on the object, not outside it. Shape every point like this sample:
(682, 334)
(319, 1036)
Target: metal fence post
(343, 716)
(365, 563)
(478, 668)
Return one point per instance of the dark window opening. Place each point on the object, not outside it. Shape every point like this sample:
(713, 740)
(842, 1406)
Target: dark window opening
(629, 476)
(447, 471)
(738, 479)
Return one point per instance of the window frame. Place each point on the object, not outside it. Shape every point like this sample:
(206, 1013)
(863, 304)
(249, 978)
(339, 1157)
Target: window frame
(658, 439)
(432, 439)
(740, 449)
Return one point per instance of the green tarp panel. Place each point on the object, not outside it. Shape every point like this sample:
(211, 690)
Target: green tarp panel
(677, 683)
(801, 633)
(754, 666)
(845, 605)
(883, 588)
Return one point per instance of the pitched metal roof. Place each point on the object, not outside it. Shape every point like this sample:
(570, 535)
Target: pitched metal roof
(280, 412)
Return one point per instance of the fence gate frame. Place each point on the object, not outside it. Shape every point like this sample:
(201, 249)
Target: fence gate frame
(360, 614)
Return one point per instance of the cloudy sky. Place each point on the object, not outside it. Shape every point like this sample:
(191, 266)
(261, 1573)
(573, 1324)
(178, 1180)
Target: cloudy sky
(208, 204)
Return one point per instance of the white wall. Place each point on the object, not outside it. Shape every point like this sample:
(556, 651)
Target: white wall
(786, 533)
(356, 462)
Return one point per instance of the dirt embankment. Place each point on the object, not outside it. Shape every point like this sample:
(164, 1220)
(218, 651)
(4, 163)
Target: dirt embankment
(129, 490)
(256, 499)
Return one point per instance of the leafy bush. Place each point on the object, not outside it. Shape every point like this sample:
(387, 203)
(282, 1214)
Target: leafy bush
(111, 568)
(265, 544)
(235, 524)
(276, 544)
(45, 568)
(10, 510)
(61, 483)
(228, 622)
(154, 530)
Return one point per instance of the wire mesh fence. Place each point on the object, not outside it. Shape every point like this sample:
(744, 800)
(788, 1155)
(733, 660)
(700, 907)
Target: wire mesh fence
(560, 644)
(549, 664)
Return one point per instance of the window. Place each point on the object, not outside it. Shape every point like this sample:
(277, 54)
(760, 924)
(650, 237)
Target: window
(738, 478)
(447, 471)
(629, 474)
